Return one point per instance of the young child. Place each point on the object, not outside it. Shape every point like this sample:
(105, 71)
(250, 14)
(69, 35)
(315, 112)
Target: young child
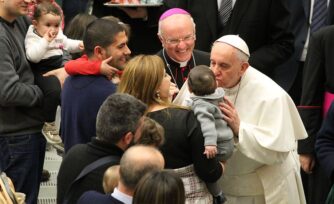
(152, 134)
(44, 45)
(110, 179)
(32, 6)
(218, 137)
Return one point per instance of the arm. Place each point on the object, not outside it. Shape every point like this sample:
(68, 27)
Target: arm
(279, 46)
(325, 144)
(36, 46)
(16, 91)
(311, 100)
(209, 170)
(270, 132)
(205, 115)
(203, 112)
(72, 45)
(83, 66)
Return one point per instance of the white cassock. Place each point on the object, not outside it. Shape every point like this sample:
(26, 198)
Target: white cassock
(264, 167)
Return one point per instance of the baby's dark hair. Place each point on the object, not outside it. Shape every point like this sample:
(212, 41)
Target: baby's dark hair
(201, 80)
(45, 8)
(152, 133)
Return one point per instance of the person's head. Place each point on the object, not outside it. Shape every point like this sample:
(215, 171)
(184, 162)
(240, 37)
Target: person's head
(11, 9)
(152, 133)
(177, 34)
(110, 179)
(117, 20)
(145, 78)
(118, 119)
(46, 16)
(229, 60)
(137, 161)
(160, 187)
(76, 28)
(104, 38)
(201, 80)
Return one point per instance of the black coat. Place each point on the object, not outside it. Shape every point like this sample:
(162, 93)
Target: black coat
(78, 157)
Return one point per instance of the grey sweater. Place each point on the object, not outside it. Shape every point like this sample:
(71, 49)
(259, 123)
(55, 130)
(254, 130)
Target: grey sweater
(19, 97)
(214, 128)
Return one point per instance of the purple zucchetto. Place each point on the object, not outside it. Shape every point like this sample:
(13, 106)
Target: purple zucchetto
(171, 12)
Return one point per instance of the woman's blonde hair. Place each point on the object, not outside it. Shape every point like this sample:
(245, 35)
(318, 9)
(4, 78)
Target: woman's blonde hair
(142, 78)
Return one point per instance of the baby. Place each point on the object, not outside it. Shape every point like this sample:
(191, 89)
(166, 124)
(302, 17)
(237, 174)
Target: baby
(218, 137)
(44, 44)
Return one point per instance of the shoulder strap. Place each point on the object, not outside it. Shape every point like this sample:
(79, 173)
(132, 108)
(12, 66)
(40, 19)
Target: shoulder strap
(89, 168)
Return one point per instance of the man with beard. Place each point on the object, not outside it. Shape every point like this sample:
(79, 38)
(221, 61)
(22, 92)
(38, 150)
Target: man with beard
(118, 126)
(82, 95)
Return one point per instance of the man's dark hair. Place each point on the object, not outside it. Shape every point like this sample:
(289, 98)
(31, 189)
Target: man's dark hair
(100, 32)
(118, 115)
(202, 81)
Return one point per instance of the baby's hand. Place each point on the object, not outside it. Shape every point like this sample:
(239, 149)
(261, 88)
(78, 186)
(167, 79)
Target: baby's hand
(81, 46)
(210, 151)
(172, 91)
(50, 34)
(108, 70)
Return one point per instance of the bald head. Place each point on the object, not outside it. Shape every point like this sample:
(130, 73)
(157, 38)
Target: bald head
(137, 161)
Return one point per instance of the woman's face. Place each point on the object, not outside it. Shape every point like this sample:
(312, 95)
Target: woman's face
(164, 87)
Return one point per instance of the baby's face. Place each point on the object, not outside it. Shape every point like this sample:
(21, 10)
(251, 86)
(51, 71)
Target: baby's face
(48, 23)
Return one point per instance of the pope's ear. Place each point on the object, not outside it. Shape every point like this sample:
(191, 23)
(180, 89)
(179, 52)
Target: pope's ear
(244, 66)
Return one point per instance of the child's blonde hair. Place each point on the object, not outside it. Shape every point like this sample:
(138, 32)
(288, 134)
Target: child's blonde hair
(110, 179)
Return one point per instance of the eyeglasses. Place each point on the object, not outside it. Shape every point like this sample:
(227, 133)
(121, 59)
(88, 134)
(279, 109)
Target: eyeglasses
(186, 39)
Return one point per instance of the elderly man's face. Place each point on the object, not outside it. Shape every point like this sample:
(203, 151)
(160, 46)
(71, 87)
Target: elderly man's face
(226, 66)
(178, 37)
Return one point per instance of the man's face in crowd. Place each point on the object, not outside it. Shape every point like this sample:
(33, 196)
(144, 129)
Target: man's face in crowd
(119, 51)
(178, 37)
(14, 8)
(226, 66)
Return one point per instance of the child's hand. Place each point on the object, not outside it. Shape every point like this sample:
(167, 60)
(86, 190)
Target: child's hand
(210, 151)
(50, 34)
(108, 70)
(81, 46)
(172, 91)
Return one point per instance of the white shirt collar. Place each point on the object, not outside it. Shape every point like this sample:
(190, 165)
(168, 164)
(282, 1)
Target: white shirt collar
(122, 196)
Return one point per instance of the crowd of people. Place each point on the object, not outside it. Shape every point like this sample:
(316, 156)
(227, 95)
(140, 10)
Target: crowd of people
(187, 102)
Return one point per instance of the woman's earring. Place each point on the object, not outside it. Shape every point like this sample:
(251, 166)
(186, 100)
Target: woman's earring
(158, 95)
